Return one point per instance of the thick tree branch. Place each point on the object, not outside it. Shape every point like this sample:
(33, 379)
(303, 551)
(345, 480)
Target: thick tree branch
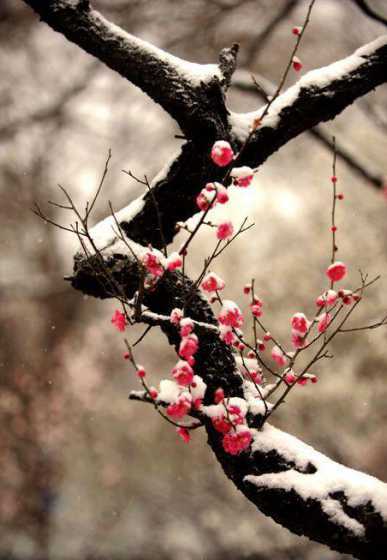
(187, 91)
(243, 81)
(365, 8)
(286, 479)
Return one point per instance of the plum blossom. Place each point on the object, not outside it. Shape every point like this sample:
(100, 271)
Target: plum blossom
(212, 283)
(230, 315)
(152, 263)
(141, 373)
(224, 230)
(236, 442)
(220, 190)
(221, 424)
(174, 261)
(222, 153)
(297, 30)
(119, 320)
(242, 176)
(327, 298)
(336, 271)
(176, 316)
(290, 377)
(278, 356)
(180, 407)
(183, 373)
(296, 63)
(188, 346)
(184, 434)
(300, 324)
(226, 334)
(205, 199)
(323, 322)
(186, 327)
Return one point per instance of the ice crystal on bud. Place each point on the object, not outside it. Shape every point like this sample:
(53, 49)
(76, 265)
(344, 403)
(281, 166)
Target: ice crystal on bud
(212, 283)
(242, 176)
(222, 154)
(224, 230)
(119, 320)
(336, 271)
(230, 315)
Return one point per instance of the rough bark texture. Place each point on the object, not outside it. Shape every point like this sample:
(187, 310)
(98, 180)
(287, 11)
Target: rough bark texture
(201, 113)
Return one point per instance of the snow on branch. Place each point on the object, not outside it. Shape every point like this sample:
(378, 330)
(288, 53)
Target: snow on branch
(317, 97)
(184, 89)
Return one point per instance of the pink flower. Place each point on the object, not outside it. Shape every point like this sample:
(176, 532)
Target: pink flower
(278, 356)
(256, 310)
(336, 271)
(267, 337)
(242, 176)
(323, 322)
(230, 315)
(212, 283)
(188, 346)
(297, 64)
(221, 194)
(153, 393)
(205, 199)
(141, 373)
(290, 378)
(152, 263)
(221, 425)
(298, 341)
(327, 298)
(300, 324)
(119, 320)
(184, 434)
(224, 230)
(218, 395)
(236, 442)
(174, 261)
(226, 334)
(222, 153)
(347, 296)
(247, 289)
(183, 373)
(176, 316)
(186, 327)
(179, 408)
(296, 30)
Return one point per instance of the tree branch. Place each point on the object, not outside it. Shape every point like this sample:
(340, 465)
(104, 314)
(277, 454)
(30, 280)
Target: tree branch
(187, 91)
(362, 4)
(287, 480)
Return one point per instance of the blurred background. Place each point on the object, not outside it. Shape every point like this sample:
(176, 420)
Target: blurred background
(83, 472)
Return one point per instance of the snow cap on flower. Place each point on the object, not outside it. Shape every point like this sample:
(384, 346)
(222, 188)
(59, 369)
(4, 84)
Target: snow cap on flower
(226, 334)
(180, 407)
(221, 153)
(221, 192)
(236, 442)
(296, 30)
(300, 324)
(188, 346)
(224, 230)
(174, 261)
(230, 315)
(297, 64)
(119, 320)
(212, 283)
(176, 316)
(183, 373)
(205, 199)
(198, 388)
(336, 271)
(186, 327)
(242, 176)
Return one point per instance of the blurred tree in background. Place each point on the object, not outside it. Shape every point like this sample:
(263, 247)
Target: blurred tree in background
(78, 477)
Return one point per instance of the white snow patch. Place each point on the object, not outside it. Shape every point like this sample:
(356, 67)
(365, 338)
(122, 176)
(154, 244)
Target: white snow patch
(330, 477)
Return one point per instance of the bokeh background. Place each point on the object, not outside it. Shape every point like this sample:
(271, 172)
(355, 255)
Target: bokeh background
(84, 473)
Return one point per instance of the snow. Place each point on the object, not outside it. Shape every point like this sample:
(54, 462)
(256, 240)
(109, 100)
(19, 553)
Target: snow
(315, 79)
(188, 71)
(253, 398)
(169, 391)
(330, 477)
